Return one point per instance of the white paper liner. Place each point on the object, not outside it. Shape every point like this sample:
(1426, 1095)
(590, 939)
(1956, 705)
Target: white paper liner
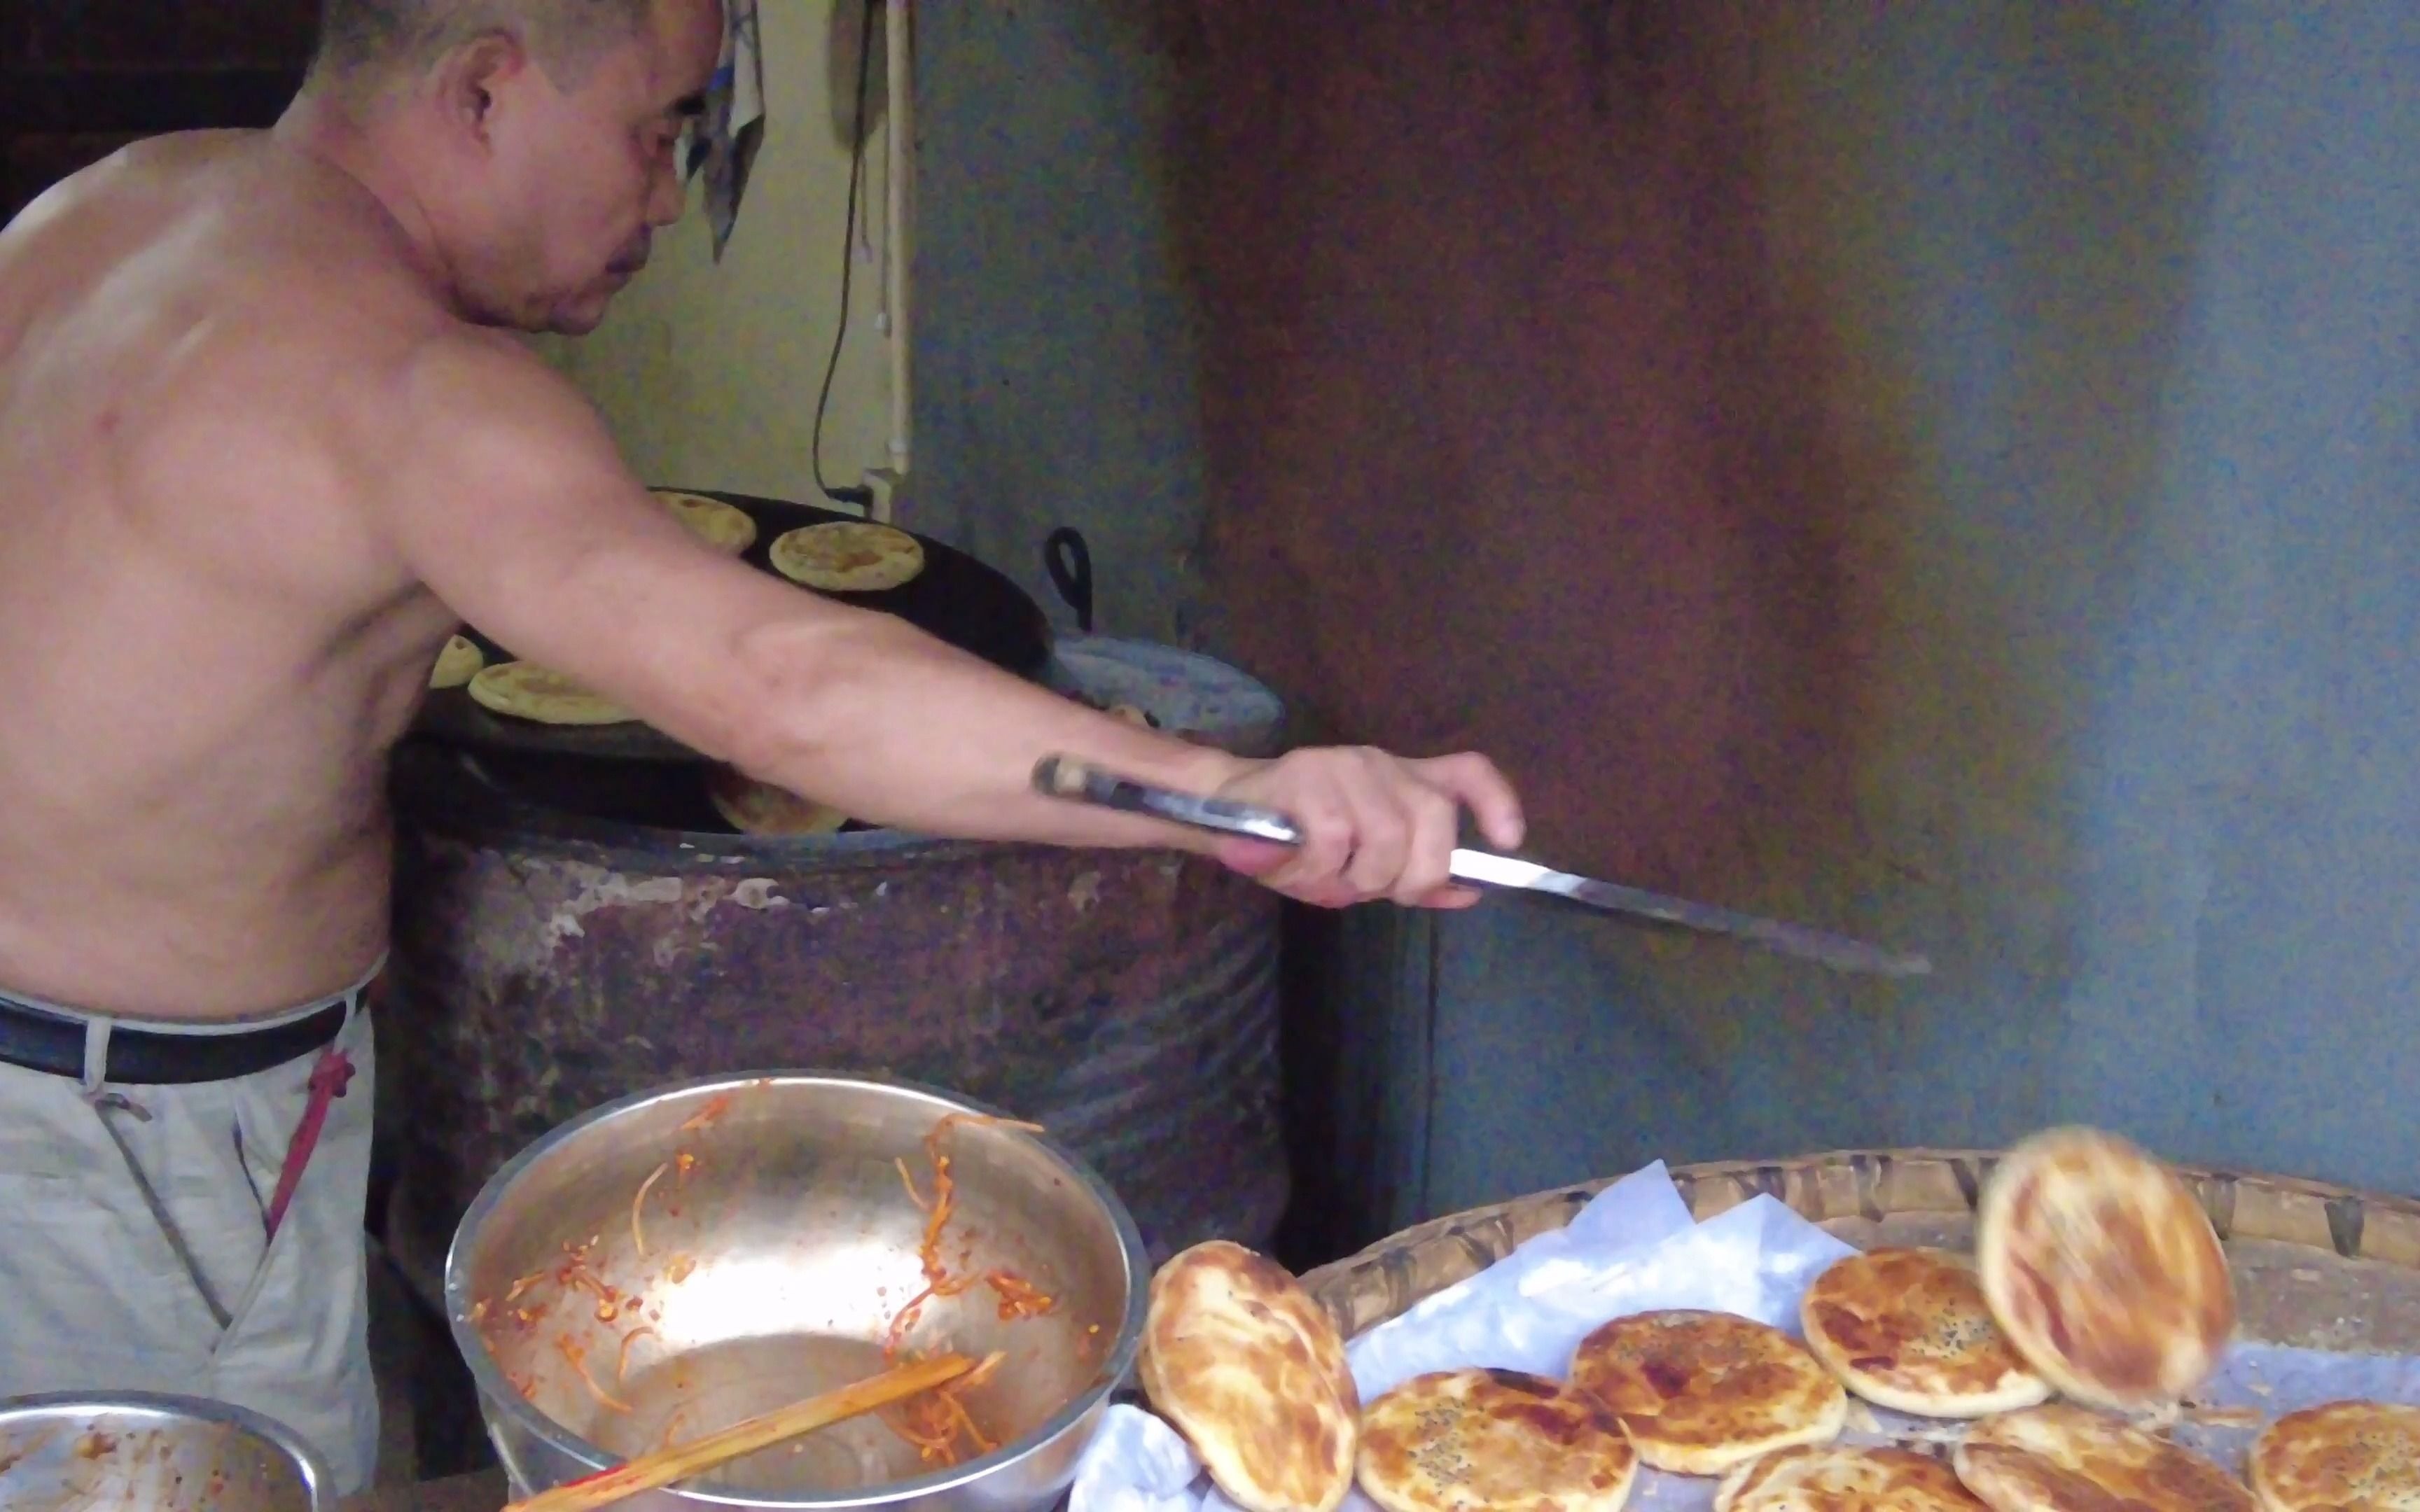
(1634, 1248)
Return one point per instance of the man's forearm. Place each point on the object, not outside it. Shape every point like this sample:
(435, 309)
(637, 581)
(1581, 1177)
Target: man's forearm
(892, 727)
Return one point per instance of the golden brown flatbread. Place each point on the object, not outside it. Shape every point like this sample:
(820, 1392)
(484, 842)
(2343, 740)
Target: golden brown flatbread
(2345, 1457)
(754, 808)
(1907, 1329)
(847, 556)
(2102, 1270)
(1239, 1359)
(2067, 1458)
(457, 663)
(1703, 1392)
(528, 691)
(1494, 1440)
(1842, 1478)
(724, 527)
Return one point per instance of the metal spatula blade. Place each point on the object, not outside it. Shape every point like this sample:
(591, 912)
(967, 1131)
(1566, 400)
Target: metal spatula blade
(1063, 776)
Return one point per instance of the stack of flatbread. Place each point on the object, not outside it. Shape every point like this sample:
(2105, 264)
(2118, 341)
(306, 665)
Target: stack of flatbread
(2097, 1277)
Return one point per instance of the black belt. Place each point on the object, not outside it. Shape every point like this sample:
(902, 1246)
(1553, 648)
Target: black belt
(142, 1058)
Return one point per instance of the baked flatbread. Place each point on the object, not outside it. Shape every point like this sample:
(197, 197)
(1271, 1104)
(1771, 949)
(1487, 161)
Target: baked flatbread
(528, 691)
(1841, 1478)
(754, 808)
(1907, 1329)
(724, 527)
(847, 556)
(2067, 1458)
(2102, 1270)
(2345, 1457)
(457, 663)
(1239, 1359)
(1703, 1392)
(1493, 1441)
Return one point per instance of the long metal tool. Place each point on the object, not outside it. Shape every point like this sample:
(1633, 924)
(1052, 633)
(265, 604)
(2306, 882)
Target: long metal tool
(1063, 776)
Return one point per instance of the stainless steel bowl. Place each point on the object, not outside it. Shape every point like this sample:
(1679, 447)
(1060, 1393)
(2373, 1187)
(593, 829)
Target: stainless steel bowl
(769, 1267)
(159, 1453)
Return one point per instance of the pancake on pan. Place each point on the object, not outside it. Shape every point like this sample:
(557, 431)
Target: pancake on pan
(456, 664)
(754, 808)
(2102, 1270)
(1844, 1478)
(724, 527)
(1237, 1358)
(847, 556)
(1907, 1329)
(2345, 1457)
(1703, 1392)
(527, 691)
(1493, 1441)
(2068, 1459)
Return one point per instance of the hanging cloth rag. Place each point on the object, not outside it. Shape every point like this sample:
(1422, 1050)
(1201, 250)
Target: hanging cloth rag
(725, 140)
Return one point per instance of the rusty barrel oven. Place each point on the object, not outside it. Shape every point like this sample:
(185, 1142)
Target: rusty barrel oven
(562, 940)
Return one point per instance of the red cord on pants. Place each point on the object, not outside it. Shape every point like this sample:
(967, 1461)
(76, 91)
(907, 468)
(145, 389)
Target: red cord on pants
(329, 1079)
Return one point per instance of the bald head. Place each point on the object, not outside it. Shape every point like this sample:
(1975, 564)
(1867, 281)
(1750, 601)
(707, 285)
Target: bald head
(380, 39)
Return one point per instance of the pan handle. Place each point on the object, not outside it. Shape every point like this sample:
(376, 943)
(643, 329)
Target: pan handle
(1069, 562)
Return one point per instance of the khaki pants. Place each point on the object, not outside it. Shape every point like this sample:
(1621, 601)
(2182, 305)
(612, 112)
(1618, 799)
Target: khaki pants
(102, 1294)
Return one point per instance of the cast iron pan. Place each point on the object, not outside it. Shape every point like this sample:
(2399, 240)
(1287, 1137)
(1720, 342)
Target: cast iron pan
(955, 598)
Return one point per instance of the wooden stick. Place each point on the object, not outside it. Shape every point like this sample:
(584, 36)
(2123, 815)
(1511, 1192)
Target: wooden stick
(682, 1460)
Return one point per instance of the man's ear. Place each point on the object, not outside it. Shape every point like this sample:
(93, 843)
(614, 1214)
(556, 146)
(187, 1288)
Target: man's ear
(471, 81)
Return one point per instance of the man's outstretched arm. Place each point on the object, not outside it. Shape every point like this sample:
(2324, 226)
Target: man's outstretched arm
(512, 504)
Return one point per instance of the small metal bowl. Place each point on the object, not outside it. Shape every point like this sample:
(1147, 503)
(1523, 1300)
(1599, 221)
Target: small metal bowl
(769, 1266)
(162, 1453)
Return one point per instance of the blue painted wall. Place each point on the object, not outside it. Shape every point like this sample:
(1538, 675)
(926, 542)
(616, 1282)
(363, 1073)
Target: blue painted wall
(2127, 307)
(1055, 379)
(2150, 290)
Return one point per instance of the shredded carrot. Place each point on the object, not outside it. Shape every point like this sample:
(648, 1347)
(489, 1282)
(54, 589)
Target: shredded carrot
(479, 1312)
(622, 1363)
(958, 1411)
(934, 1421)
(676, 1271)
(578, 1358)
(894, 1338)
(1019, 1298)
(586, 1280)
(684, 1162)
(638, 1233)
(524, 1285)
(525, 1385)
(716, 1106)
(672, 1426)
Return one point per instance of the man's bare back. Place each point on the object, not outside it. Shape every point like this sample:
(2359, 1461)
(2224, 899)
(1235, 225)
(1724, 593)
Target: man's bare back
(210, 646)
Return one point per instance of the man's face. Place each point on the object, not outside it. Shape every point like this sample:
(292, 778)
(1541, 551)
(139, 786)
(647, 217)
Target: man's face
(575, 175)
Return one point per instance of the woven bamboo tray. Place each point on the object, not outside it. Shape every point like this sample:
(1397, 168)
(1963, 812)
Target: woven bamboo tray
(2316, 1266)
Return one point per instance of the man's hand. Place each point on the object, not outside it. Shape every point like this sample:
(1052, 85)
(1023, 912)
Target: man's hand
(1374, 825)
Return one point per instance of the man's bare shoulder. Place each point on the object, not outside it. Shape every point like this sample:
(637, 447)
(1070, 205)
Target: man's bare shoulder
(491, 401)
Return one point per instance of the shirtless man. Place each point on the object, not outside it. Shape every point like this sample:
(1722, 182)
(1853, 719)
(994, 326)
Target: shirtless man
(265, 440)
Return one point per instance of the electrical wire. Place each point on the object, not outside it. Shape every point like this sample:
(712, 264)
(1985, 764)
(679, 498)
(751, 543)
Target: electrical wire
(847, 257)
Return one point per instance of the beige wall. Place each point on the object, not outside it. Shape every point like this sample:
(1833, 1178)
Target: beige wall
(708, 372)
